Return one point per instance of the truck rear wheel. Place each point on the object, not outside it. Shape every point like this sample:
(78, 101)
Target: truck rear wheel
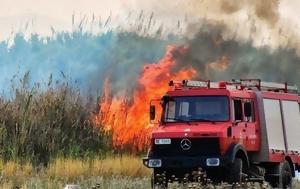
(235, 171)
(286, 176)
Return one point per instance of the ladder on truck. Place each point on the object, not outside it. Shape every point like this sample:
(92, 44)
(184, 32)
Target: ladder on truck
(239, 84)
(265, 86)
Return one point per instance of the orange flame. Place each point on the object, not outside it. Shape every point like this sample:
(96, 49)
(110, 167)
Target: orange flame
(128, 119)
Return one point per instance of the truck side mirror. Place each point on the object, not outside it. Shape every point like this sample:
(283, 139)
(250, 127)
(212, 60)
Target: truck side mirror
(248, 109)
(152, 112)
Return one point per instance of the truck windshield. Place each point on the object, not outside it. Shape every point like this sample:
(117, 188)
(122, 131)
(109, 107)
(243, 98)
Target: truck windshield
(200, 108)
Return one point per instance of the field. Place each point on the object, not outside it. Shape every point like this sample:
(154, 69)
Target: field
(110, 172)
(48, 140)
(122, 172)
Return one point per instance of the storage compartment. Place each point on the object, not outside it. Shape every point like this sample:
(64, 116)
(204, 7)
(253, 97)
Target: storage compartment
(274, 126)
(291, 119)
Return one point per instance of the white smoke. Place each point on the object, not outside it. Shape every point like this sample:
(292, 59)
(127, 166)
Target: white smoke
(270, 22)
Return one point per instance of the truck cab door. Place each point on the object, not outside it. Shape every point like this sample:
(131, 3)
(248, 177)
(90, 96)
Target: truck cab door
(245, 125)
(251, 140)
(239, 125)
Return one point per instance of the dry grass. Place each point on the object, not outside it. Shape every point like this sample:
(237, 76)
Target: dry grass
(67, 168)
(73, 169)
(122, 166)
(13, 169)
(95, 182)
(122, 172)
(64, 170)
(110, 172)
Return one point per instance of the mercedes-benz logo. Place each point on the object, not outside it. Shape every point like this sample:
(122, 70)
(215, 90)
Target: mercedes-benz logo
(186, 144)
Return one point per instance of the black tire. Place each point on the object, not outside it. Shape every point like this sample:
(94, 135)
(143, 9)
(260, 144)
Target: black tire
(153, 181)
(157, 182)
(285, 175)
(235, 173)
(284, 178)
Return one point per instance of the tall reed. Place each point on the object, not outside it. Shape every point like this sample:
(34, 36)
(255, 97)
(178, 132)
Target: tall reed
(39, 123)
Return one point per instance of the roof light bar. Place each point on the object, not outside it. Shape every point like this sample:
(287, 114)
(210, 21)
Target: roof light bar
(192, 83)
(245, 83)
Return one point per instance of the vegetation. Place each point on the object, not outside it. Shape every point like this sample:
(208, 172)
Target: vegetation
(48, 140)
(110, 172)
(41, 121)
(37, 125)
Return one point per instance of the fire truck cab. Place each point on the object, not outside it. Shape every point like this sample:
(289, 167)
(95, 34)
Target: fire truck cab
(233, 130)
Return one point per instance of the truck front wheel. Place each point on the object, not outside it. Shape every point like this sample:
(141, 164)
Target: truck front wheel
(158, 180)
(235, 171)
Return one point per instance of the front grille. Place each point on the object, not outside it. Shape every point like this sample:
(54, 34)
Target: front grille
(199, 147)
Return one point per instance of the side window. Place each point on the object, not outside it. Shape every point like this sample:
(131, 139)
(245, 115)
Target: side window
(252, 117)
(238, 111)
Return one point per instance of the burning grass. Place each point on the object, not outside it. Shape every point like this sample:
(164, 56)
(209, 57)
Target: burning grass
(128, 120)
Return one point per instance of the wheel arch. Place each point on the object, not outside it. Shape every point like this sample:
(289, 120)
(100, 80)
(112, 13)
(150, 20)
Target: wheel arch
(238, 151)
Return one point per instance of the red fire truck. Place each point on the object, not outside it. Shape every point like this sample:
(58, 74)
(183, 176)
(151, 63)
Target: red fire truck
(232, 130)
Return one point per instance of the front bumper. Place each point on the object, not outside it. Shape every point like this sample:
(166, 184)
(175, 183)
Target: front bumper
(188, 162)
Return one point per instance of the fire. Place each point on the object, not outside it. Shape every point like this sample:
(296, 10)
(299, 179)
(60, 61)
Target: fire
(128, 118)
(220, 65)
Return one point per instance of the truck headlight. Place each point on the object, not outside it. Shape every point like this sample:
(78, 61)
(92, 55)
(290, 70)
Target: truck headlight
(154, 163)
(213, 162)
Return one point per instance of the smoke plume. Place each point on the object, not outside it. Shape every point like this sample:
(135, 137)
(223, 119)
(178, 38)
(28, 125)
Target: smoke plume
(219, 58)
(80, 57)
(236, 39)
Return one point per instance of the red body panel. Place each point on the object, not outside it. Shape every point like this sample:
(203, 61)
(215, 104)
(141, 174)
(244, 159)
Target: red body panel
(277, 156)
(199, 91)
(192, 130)
(281, 96)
